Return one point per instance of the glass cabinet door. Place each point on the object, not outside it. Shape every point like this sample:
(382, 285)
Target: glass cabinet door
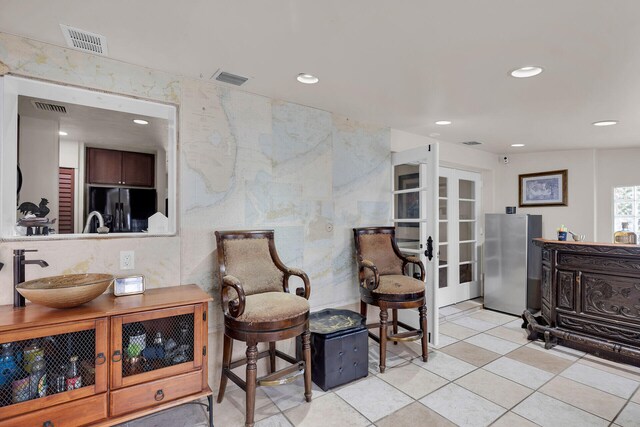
(45, 366)
(156, 344)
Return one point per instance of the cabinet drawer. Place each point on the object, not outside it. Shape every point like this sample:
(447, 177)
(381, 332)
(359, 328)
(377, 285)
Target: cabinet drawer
(79, 413)
(154, 393)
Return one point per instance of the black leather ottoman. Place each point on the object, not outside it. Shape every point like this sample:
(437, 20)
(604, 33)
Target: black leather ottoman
(339, 347)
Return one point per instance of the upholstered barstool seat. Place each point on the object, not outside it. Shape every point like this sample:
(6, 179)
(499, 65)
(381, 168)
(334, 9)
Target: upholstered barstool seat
(272, 307)
(396, 285)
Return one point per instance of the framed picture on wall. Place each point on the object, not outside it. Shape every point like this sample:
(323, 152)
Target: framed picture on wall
(543, 189)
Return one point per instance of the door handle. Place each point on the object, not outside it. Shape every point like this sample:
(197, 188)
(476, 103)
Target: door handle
(429, 252)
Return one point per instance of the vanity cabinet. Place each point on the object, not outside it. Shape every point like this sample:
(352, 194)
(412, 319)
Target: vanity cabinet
(135, 355)
(114, 167)
(590, 294)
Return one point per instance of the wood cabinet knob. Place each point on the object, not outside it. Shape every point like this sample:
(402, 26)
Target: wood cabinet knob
(159, 395)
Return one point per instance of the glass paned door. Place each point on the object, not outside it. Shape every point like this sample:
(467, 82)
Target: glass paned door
(415, 207)
(459, 210)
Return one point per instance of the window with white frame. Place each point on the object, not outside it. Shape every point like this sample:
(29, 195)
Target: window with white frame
(626, 208)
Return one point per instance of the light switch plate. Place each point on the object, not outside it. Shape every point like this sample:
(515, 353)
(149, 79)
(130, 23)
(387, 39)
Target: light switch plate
(127, 260)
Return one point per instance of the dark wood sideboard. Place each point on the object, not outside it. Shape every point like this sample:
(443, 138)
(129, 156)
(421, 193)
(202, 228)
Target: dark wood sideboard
(590, 299)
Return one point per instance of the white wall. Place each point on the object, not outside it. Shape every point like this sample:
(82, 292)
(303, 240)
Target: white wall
(614, 168)
(38, 145)
(579, 215)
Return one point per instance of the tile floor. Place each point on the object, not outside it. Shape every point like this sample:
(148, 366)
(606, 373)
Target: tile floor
(484, 372)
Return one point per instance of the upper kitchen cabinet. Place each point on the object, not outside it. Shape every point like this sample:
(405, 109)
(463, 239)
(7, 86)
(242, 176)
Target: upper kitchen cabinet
(115, 167)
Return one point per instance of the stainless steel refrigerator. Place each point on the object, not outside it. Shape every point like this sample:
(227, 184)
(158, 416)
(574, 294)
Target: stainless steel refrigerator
(512, 263)
(124, 210)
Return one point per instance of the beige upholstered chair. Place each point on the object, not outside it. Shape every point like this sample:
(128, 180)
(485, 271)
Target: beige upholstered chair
(384, 283)
(257, 308)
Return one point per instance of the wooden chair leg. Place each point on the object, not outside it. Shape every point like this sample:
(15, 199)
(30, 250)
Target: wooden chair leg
(272, 357)
(425, 335)
(395, 323)
(226, 362)
(252, 358)
(363, 309)
(383, 338)
(306, 348)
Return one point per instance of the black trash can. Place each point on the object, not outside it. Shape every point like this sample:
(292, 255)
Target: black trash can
(339, 347)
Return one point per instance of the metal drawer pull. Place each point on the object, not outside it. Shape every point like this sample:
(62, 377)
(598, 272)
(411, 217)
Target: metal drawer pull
(159, 395)
(116, 354)
(100, 359)
(47, 424)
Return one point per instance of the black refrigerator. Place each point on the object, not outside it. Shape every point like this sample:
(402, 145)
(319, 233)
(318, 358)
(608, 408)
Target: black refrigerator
(125, 210)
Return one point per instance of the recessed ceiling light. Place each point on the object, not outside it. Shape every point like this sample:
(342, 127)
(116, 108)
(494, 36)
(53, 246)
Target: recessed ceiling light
(605, 123)
(62, 133)
(140, 122)
(307, 78)
(443, 122)
(517, 145)
(525, 72)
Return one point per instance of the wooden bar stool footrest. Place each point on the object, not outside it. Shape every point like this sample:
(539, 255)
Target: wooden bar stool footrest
(283, 376)
(405, 336)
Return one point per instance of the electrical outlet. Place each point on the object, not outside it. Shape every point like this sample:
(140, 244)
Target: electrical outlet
(127, 260)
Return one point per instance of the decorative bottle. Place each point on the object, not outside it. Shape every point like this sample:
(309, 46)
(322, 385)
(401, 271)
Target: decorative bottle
(625, 236)
(74, 380)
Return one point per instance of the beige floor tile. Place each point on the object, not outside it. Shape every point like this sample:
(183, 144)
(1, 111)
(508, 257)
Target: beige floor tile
(445, 366)
(549, 412)
(491, 343)
(519, 372)
(475, 324)
(513, 420)
(559, 351)
(457, 331)
(231, 412)
(413, 415)
(605, 381)
(374, 398)
(406, 350)
(445, 340)
(493, 387)
(413, 380)
(630, 416)
(510, 334)
(462, 406)
(493, 317)
(544, 361)
(328, 410)
(624, 370)
(636, 397)
(470, 353)
(592, 400)
(278, 420)
(473, 304)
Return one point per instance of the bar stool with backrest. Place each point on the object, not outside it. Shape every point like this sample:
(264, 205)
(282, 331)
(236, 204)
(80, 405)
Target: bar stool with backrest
(257, 305)
(384, 283)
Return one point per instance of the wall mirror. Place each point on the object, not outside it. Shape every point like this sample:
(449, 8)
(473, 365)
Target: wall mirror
(67, 152)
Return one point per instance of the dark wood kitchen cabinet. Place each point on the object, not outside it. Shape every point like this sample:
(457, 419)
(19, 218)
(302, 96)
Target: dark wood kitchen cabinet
(114, 167)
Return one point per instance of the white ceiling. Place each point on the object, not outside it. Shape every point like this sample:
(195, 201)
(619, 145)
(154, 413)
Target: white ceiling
(404, 64)
(98, 127)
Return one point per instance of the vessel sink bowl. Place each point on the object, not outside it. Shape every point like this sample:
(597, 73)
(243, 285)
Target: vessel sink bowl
(65, 291)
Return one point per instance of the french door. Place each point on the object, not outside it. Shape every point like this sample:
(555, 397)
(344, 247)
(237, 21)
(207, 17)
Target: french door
(458, 248)
(415, 177)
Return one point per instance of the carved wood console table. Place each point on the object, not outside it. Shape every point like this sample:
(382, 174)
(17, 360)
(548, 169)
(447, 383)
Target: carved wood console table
(590, 299)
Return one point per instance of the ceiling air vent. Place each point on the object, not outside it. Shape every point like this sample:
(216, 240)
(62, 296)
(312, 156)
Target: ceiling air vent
(472, 143)
(230, 78)
(46, 106)
(84, 40)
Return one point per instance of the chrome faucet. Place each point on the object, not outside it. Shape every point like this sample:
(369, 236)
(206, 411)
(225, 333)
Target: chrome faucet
(101, 228)
(18, 272)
